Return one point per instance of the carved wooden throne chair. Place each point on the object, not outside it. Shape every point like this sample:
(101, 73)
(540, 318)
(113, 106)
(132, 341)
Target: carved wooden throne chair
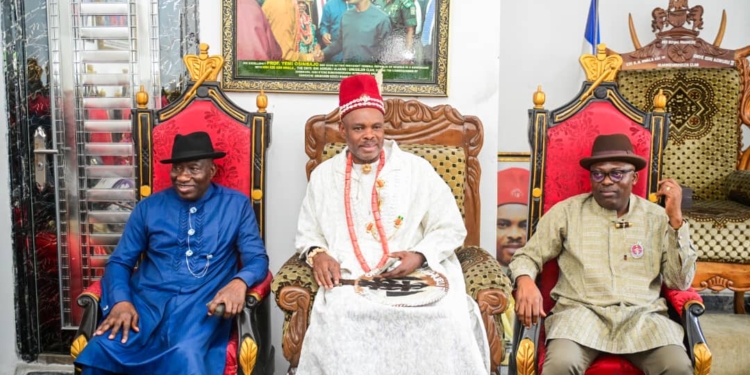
(558, 140)
(708, 91)
(244, 138)
(451, 143)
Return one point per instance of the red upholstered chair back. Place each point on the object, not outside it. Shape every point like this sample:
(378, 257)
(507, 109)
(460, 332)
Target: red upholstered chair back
(227, 135)
(241, 134)
(561, 138)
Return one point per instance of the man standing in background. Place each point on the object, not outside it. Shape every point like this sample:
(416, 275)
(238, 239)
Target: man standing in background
(363, 33)
(330, 23)
(403, 16)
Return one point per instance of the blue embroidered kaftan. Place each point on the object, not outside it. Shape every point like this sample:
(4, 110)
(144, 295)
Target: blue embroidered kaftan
(176, 334)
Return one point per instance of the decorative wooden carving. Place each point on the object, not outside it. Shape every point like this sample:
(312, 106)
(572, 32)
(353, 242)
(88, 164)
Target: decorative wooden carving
(677, 46)
(525, 362)
(412, 122)
(720, 276)
(296, 300)
(493, 302)
(677, 43)
(703, 359)
(716, 283)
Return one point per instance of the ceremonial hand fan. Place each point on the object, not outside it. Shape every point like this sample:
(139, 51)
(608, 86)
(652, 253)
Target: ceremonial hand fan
(421, 287)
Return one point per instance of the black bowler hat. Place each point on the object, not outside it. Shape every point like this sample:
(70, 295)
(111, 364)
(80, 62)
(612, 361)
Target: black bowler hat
(613, 147)
(193, 146)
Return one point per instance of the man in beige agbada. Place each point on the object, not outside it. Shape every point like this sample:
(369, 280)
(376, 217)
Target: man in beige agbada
(614, 250)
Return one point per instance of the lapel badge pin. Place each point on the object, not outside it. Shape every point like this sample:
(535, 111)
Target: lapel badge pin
(637, 250)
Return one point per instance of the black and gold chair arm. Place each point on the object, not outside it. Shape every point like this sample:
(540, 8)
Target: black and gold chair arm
(524, 357)
(699, 352)
(252, 335)
(91, 314)
(251, 331)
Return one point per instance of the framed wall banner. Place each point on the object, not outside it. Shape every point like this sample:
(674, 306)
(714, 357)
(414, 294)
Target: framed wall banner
(308, 46)
(512, 203)
(512, 215)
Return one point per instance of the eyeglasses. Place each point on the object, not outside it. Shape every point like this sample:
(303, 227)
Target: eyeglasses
(615, 175)
(193, 170)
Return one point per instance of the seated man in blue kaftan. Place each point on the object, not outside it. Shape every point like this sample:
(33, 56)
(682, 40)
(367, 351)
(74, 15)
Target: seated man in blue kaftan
(365, 207)
(160, 318)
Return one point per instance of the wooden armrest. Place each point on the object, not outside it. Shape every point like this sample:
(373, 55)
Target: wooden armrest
(294, 272)
(482, 272)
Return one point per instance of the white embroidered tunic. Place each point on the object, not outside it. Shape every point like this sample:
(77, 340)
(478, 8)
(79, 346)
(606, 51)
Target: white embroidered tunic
(350, 334)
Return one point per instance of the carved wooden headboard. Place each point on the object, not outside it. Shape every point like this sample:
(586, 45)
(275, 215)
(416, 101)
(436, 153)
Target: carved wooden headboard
(412, 122)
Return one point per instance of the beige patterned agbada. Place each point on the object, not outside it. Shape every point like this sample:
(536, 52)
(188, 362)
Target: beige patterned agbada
(607, 297)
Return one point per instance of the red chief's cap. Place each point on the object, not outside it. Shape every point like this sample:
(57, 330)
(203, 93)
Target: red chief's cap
(359, 91)
(513, 186)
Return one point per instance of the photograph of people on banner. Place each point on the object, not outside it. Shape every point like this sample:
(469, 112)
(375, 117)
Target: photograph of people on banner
(310, 45)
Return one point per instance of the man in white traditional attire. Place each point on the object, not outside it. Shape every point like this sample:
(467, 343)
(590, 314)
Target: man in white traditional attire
(365, 208)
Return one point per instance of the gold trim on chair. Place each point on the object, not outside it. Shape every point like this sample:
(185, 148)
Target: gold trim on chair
(141, 98)
(202, 67)
(144, 121)
(248, 355)
(92, 295)
(539, 98)
(623, 107)
(703, 359)
(693, 302)
(601, 67)
(77, 347)
(525, 363)
(213, 93)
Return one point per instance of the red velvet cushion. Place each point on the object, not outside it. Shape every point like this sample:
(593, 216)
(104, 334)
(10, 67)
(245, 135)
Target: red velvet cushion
(231, 366)
(678, 298)
(263, 288)
(94, 289)
(227, 135)
(606, 364)
(612, 365)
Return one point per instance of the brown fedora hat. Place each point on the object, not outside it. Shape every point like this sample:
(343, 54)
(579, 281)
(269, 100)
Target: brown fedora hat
(613, 147)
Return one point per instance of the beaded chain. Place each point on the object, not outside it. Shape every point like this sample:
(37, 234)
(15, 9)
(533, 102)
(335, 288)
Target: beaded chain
(375, 213)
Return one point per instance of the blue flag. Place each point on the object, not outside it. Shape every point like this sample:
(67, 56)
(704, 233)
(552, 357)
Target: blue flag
(591, 38)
